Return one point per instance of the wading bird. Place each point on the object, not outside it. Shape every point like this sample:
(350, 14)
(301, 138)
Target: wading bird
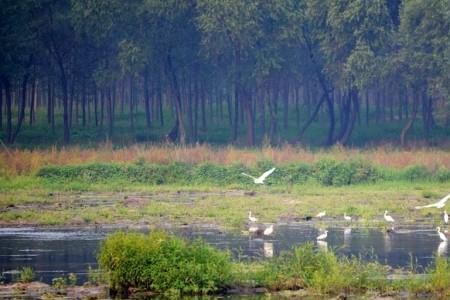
(268, 230)
(439, 204)
(388, 218)
(251, 218)
(445, 217)
(441, 234)
(347, 218)
(260, 179)
(323, 235)
(321, 214)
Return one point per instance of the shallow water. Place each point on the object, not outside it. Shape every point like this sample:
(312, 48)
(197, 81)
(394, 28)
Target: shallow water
(54, 252)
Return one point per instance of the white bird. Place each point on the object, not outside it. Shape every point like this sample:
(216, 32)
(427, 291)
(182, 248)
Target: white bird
(441, 235)
(321, 214)
(442, 248)
(388, 218)
(251, 218)
(347, 218)
(260, 179)
(445, 217)
(323, 235)
(268, 230)
(439, 204)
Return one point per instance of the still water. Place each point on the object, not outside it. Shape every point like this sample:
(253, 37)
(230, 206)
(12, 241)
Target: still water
(54, 252)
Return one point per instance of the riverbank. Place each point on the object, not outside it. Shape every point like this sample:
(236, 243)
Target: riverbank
(37, 204)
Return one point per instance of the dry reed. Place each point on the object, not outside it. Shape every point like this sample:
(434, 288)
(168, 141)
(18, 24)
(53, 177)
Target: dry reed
(22, 162)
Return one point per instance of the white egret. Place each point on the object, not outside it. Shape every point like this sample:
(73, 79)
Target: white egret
(323, 235)
(388, 218)
(442, 248)
(260, 179)
(251, 218)
(321, 214)
(347, 218)
(439, 204)
(268, 230)
(441, 234)
(445, 217)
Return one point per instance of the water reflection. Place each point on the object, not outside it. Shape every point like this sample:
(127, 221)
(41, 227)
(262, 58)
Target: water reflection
(268, 249)
(53, 252)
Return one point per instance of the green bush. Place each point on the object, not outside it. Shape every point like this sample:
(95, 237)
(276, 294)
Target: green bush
(163, 263)
(320, 270)
(26, 274)
(415, 173)
(443, 174)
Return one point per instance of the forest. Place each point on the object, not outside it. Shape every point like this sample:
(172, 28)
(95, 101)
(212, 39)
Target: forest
(241, 72)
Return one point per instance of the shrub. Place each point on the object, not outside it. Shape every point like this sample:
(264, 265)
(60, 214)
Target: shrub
(26, 274)
(163, 263)
(414, 173)
(443, 174)
(59, 282)
(324, 271)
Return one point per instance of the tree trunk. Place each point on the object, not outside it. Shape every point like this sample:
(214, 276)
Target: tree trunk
(32, 102)
(1, 106)
(22, 107)
(330, 106)
(8, 98)
(311, 117)
(148, 114)
(131, 87)
(177, 99)
(110, 114)
(83, 102)
(410, 122)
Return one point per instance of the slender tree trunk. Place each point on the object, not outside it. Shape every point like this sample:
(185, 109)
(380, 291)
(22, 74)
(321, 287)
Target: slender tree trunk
(83, 102)
(1, 105)
(148, 105)
(131, 87)
(367, 107)
(286, 106)
(177, 99)
(312, 117)
(32, 102)
(110, 114)
(297, 106)
(330, 106)
(22, 107)
(8, 98)
(410, 122)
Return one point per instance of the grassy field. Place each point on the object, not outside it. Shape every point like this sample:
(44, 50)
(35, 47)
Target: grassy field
(203, 184)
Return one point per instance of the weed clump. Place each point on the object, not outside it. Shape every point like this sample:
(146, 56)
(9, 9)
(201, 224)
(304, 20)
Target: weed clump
(305, 268)
(163, 263)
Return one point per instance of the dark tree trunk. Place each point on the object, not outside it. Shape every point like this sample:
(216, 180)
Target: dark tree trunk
(177, 101)
(367, 107)
(96, 106)
(1, 106)
(148, 113)
(32, 102)
(131, 87)
(410, 122)
(83, 102)
(311, 117)
(22, 108)
(297, 106)
(330, 106)
(286, 106)
(110, 114)
(8, 98)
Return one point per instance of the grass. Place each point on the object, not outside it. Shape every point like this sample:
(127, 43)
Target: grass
(15, 162)
(224, 206)
(166, 264)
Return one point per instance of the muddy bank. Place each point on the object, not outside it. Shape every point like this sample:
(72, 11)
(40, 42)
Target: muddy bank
(39, 290)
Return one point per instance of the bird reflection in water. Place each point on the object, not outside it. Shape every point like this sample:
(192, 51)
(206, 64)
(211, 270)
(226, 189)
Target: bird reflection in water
(268, 249)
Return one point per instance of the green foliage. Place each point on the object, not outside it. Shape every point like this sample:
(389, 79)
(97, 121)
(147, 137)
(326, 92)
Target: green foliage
(328, 172)
(26, 274)
(414, 173)
(332, 172)
(59, 282)
(72, 279)
(163, 263)
(304, 267)
(440, 276)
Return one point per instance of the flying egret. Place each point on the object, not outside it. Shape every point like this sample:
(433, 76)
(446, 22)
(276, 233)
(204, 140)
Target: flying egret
(260, 179)
(323, 235)
(441, 234)
(439, 204)
(388, 218)
(321, 214)
(445, 217)
(268, 230)
(347, 218)
(251, 218)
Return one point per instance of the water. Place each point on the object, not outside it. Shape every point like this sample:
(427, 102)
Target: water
(55, 252)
